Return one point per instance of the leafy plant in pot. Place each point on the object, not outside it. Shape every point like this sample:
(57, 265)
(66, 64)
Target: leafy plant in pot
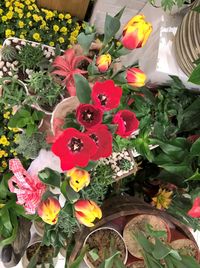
(26, 118)
(45, 91)
(139, 224)
(105, 245)
(161, 254)
(13, 91)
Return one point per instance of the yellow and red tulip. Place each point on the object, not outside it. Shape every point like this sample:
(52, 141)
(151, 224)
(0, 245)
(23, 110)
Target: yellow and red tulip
(103, 62)
(79, 178)
(135, 77)
(48, 210)
(136, 32)
(86, 211)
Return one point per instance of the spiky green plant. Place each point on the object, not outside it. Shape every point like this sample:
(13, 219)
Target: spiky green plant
(8, 53)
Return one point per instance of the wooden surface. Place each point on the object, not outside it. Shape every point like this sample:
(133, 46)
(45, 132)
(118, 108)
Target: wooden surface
(76, 8)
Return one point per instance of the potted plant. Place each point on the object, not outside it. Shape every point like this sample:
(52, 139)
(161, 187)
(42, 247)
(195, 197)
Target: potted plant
(26, 118)
(102, 243)
(139, 224)
(45, 91)
(13, 91)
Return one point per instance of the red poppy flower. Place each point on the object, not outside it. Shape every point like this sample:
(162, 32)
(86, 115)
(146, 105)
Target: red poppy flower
(105, 95)
(103, 139)
(88, 115)
(127, 123)
(194, 212)
(74, 148)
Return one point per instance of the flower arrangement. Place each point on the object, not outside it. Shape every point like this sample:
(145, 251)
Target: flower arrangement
(103, 108)
(25, 20)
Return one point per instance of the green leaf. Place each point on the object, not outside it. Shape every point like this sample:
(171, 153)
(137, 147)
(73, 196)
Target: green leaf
(111, 27)
(50, 177)
(160, 250)
(108, 263)
(71, 195)
(91, 165)
(195, 149)
(121, 52)
(79, 259)
(197, 9)
(85, 41)
(120, 13)
(195, 75)
(94, 254)
(10, 239)
(83, 90)
(195, 176)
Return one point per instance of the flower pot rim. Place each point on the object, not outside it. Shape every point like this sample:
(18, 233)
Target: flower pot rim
(105, 228)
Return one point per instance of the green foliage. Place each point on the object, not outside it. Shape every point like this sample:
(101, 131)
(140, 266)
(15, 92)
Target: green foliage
(13, 92)
(8, 53)
(83, 90)
(50, 177)
(195, 75)
(169, 4)
(124, 164)
(160, 255)
(44, 89)
(101, 179)
(29, 146)
(85, 38)
(26, 118)
(31, 57)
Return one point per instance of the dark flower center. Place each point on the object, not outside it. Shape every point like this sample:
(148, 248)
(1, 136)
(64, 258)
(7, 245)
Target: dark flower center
(75, 145)
(103, 99)
(88, 116)
(94, 138)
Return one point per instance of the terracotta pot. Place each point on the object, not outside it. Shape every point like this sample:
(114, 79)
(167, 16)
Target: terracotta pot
(186, 247)
(102, 229)
(65, 107)
(139, 223)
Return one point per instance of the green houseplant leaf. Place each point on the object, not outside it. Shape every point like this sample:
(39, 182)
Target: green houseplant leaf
(195, 75)
(83, 90)
(50, 177)
(111, 27)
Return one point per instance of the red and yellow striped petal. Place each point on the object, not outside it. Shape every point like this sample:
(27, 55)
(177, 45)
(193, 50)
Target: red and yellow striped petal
(79, 178)
(48, 210)
(135, 77)
(103, 62)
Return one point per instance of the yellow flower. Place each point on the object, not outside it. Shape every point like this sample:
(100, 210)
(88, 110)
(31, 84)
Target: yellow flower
(67, 16)
(61, 16)
(30, 8)
(27, 2)
(21, 24)
(21, 16)
(4, 164)
(63, 29)
(21, 36)
(28, 15)
(7, 114)
(36, 17)
(8, 4)
(69, 21)
(79, 178)
(4, 18)
(30, 23)
(51, 44)
(4, 141)
(1, 11)
(49, 14)
(11, 8)
(16, 3)
(61, 40)
(162, 199)
(37, 37)
(56, 28)
(8, 33)
(2, 153)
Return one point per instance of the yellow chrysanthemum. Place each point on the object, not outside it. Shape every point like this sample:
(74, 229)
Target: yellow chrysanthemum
(8, 33)
(2, 153)
(4, 18)
(63, 29)
(1, 11)
(69, 21)
(37, 37)
(67, 16)
(30, 23)
(51, 44)
(21, 24)
(61, 16)
(56, 28)
(61, 40)
(36, 17)
(27, 2)
(162, 199)
(4, 164)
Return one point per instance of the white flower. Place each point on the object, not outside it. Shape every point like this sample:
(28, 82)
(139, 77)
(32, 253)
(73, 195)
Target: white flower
(45, 159)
